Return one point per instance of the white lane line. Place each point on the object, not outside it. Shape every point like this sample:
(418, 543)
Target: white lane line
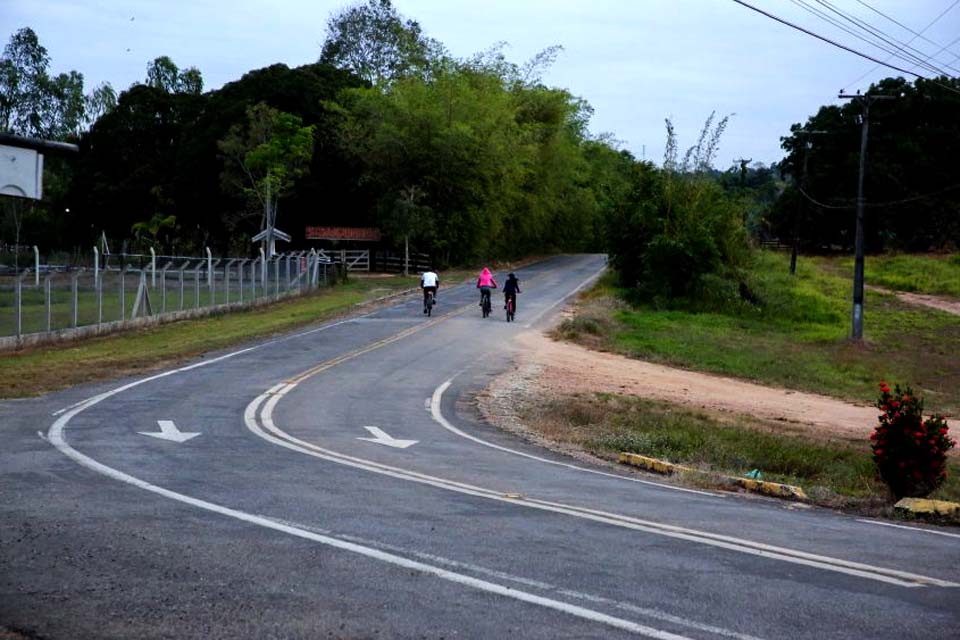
(536, 584)
(56, 436)
(270, 432)
(438, 416)
(918, 529)
(578, 288)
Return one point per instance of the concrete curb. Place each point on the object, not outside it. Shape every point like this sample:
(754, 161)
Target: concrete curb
(651, 464)
(774, 489)
(925, 507)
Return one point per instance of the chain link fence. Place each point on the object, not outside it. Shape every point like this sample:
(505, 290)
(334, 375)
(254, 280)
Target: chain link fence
(45, 302)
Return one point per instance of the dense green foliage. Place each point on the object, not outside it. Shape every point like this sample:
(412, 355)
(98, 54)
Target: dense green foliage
(911, 188)
(678, 232)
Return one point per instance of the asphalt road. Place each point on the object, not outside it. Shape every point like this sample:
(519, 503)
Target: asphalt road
(342, 486)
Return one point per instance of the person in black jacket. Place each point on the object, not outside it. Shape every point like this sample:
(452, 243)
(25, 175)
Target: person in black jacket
(510, 290)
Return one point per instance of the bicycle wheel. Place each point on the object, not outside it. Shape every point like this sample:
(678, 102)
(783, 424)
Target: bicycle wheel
(510, 311)
(429, 305)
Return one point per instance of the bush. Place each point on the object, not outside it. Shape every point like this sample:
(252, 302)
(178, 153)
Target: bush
(910, 453)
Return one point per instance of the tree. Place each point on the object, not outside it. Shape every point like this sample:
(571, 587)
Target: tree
(24, 84)
(164, 74)
(34, 103)
(265, 158)
(373, 40)
(910, 182)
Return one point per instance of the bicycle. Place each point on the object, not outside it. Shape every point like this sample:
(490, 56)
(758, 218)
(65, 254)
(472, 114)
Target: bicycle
(428, 303)
(485, 303)
(510, 307)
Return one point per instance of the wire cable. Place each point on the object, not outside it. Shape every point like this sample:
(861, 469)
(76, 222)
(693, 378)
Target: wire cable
(922, 31)
(838, 45)
(917, 56)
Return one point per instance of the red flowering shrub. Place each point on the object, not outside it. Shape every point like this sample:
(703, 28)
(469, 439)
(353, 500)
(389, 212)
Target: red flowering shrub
(910, 452)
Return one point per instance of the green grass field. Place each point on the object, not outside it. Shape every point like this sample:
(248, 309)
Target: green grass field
(796, 338)
(931, 274)
(39, 370)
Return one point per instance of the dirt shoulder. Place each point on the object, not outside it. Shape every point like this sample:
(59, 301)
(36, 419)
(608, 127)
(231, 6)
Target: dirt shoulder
(546, 368)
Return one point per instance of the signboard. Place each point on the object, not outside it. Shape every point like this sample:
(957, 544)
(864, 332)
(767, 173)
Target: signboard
(21, 172)
(353, 234)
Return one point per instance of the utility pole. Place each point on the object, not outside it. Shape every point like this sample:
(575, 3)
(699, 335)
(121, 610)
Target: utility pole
(803, 184)
(865, 101)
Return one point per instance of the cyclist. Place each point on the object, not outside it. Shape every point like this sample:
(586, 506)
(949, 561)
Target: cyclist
(485, 282)
(429, 282)
(510, 290)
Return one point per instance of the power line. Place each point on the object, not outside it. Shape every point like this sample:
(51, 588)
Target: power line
(840, 46)
(922, 31)
(825, 39)
(884, 44)
(917, 35)
(873, 205)
(918, 55)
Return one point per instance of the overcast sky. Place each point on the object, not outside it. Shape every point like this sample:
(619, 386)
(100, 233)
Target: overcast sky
(635, 61)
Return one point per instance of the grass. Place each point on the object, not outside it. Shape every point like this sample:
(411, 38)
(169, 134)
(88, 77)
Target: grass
(834, 474)
(797, 337)
(40, 370)
(930, 274)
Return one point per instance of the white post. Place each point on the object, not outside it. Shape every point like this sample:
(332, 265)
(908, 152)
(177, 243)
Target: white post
(96, 267)
(36, 263)
(209, 267)
(153, 268)
(263, 271)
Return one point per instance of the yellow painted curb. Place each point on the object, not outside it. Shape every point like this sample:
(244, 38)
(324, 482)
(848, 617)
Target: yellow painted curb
(771, 488)
(923, 506)
(651, 464)
(759, 486)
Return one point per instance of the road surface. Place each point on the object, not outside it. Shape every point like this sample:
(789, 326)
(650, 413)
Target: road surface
(338, 483)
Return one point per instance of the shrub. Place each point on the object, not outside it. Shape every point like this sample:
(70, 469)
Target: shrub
(910, 453)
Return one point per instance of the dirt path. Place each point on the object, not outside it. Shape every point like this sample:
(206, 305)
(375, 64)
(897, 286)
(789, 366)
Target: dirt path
(943, 303)
(555, 369)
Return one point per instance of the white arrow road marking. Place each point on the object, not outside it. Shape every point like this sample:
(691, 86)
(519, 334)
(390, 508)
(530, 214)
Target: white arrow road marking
(381, 437)
(169, 431)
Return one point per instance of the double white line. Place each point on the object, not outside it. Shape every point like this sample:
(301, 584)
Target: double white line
(258, 417)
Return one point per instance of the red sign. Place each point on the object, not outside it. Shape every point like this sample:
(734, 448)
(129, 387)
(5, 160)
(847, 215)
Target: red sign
(356, 234)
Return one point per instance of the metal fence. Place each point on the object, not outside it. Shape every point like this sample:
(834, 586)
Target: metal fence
(52, 302)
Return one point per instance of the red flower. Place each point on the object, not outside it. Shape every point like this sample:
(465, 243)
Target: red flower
(879, 452)
(873, 436)
(895, 404)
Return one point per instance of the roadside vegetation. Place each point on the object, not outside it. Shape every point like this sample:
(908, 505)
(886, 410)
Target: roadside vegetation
(794, 334)
(40, 370)
(837, 474)
(934, 274)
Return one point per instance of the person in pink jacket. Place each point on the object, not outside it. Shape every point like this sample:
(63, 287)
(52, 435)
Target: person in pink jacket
(485, 282)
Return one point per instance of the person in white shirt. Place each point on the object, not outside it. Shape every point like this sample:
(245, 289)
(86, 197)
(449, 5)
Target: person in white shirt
(429, 282)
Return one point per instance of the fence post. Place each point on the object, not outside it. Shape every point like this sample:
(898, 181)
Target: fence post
(276, 279)
(123, 293)
(243, 263)
(226, 280)
(75, 298)
(18, 304)
(183, 268)
(263, 270)
(153, 268)
(96, 267)
(98, 286)
(163, 288)
(36, 264)
(47, 301)
(196, 279)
